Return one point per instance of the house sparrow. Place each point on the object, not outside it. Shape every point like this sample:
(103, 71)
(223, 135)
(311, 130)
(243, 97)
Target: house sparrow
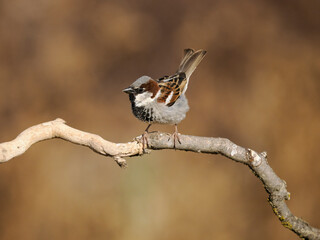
(163, 100)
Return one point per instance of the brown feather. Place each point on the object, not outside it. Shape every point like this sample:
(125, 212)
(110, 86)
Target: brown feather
(151, 86)
(175, 84)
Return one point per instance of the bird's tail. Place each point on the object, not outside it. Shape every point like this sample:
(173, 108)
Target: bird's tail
(190, 61)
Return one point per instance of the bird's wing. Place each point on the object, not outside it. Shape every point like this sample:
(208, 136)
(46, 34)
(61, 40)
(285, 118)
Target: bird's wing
(171, 88)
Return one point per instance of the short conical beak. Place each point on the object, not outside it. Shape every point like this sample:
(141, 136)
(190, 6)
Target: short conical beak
(128, 90)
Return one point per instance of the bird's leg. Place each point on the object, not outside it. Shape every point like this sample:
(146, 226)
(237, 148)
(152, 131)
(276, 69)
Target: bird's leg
(145, 143)
(175, 136)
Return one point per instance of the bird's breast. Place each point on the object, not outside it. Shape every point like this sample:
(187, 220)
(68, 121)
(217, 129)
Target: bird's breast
(160, 113)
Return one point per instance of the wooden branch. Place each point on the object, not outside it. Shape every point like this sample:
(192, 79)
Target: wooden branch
(257, 162)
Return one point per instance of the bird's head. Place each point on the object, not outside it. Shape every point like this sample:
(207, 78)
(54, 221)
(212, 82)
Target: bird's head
(143, 91)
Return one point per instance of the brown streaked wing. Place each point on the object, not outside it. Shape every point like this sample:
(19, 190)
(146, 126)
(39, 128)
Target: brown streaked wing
(175, 84)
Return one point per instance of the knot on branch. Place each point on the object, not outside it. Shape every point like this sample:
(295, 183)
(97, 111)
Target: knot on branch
(254, 158)
(279, 194)
(121, 161)
(3, 152)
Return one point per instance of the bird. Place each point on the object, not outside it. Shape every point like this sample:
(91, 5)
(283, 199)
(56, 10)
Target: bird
(163, 100)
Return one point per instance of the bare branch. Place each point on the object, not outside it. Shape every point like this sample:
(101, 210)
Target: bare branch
(257, 162)
(58, 129)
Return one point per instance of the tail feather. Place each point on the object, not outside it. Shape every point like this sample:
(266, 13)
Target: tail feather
(187, 54)
(190, 61)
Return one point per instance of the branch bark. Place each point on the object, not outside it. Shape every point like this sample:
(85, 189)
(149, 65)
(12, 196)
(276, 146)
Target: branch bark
(257, 162)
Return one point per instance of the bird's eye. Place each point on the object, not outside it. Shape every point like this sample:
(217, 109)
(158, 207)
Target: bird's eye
(139, 90)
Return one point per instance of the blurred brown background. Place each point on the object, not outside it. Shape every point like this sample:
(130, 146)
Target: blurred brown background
(259, 86)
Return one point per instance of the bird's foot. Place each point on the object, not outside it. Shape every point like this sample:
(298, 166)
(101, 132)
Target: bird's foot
(175, 137)
(145, 143)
